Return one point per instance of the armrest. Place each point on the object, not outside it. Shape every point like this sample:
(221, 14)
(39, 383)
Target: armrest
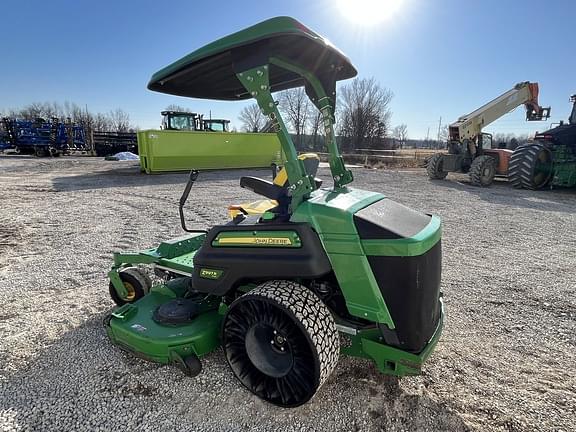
(263, 187)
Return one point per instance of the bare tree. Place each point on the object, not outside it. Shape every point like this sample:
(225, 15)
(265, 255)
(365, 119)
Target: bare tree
(120, 120)
(296, 106)
(364, 113)
(400, 132)
(117, 120)
(252, 118)
(179, 108)
(443, 135)
(508, 140)
(315, 127)
(45, 110)
(102, 122)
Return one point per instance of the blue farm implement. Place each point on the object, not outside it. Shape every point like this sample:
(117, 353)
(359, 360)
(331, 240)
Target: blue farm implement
(41, 137)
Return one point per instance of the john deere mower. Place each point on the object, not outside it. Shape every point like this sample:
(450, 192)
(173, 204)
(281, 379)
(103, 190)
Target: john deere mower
(320, 272)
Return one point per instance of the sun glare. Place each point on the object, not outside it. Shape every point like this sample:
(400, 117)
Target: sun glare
(368, 12)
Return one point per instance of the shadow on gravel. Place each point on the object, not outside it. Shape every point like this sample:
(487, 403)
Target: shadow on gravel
(501, 193)
(388, 406)
(130, 176)
(82, 382)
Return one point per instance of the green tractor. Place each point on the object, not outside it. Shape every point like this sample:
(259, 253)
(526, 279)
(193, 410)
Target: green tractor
(324, 272)
(549, 160)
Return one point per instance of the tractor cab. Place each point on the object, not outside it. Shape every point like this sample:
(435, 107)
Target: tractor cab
(216, 125)
(189, 121)
(183, 121)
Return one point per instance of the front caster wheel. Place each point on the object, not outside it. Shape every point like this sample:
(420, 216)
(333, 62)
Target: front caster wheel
(281, 342)
(136, 282)
(191, 365)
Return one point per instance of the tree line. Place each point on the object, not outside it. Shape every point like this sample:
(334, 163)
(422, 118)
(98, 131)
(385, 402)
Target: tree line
(116, 120)
(363, 120)
(362, 111)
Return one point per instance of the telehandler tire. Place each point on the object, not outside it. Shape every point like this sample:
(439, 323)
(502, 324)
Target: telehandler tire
(434, 168)
(482, 171)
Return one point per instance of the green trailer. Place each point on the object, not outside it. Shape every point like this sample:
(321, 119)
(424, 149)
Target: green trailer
(182, 150)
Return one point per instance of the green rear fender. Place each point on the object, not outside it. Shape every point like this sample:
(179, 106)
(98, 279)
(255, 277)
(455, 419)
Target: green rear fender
(331, 213)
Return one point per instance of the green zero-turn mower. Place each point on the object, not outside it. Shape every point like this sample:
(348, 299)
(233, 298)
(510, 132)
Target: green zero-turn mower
(328, 271)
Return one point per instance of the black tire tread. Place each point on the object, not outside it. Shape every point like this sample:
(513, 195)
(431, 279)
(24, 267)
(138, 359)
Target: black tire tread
(313, 315)
(141, 276)
(140, 280)
(478, 166)
(522, 166)
(434, 168)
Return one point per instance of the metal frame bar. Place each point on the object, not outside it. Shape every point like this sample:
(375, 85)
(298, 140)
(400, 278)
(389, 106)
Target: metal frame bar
(256, 80)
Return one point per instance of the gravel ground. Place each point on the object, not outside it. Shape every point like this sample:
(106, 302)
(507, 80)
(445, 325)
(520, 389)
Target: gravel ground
(505, 360)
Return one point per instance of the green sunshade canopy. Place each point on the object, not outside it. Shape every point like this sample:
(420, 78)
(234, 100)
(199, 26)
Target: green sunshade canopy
(210, 72)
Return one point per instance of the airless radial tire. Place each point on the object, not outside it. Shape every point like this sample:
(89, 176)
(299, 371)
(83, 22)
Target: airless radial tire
(281, 342)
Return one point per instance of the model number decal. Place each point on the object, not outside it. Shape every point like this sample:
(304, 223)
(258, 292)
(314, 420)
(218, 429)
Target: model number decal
(210, 273)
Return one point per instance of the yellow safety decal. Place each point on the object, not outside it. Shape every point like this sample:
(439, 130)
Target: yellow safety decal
(276, 241)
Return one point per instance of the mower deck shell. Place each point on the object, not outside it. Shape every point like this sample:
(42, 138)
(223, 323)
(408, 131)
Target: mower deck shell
(132, 328)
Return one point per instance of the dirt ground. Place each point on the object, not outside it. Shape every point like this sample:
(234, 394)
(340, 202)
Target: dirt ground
(505, 361)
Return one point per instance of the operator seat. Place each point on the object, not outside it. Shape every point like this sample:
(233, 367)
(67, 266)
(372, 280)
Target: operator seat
(276, 191)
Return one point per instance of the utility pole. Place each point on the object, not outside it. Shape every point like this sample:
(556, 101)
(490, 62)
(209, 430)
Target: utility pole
(428, 137)
(439, 127)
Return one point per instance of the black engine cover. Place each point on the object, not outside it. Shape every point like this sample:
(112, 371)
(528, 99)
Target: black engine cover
(251, 264)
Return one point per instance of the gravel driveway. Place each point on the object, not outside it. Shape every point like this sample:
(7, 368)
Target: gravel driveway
(505, 361)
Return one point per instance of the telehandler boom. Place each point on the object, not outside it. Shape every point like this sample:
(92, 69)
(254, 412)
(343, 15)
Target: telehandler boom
(470, 150)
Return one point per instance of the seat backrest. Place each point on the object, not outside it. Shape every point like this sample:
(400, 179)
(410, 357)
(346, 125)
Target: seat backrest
(311, 162)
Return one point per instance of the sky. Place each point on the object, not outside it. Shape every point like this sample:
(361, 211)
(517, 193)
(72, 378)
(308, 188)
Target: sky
(440, 58)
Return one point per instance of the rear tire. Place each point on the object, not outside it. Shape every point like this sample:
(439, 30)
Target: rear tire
(435, 168)
(136, 282)
(482, 171)
(281, 342)
(530, 167)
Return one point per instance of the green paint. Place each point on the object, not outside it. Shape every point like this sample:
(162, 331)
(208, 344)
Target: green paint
(257, 83)
(179, 246)
(325, 105)
(564, 166)
(389, 360)
(264, 30)
(132, 327)
(329, 212)
(117, 283)
(168, 150)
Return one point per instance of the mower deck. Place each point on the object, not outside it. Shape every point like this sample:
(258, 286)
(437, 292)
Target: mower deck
(133, 328)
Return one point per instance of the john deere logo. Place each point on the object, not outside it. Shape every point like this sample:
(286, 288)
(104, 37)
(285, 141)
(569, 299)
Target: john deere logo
(210, 273)
(266, 241)
(280, 241)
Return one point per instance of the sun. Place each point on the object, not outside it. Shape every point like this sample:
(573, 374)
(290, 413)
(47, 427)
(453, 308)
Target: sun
(368, 12)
